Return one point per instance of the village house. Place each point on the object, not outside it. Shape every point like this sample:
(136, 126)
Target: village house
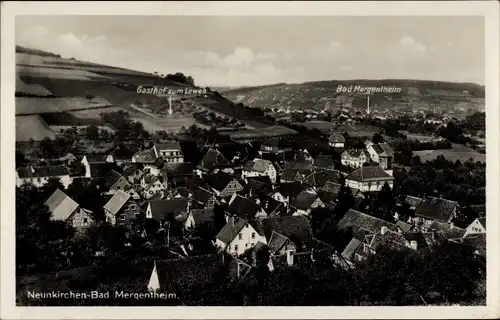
(318, 178)
(40, 175)
(413, 202)
(291, 175)
(368, 179)
(279, 244)
(476, 226)
(274, 146)
(63, 208)
(122, 209)
(177, 173)
(153, 186)
(223, 185)
(133, 172)
(114, 181)
(286, 191)
(170, 151)
(358, 225)
(354, 158)
(336, 140)
(288, 233)
(324, 161)
(305, 202)
(434, 209)
(204, 198)
(382, 154)
(154, 168)
(237, 236)
(170, 276)
(167, 210)
(372, 242)
(212, 162)
(245, 208)
(146, 156)
(197, 217)
(259, 167)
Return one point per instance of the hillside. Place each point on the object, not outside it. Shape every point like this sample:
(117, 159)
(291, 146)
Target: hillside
(319, 94)
(46, 83)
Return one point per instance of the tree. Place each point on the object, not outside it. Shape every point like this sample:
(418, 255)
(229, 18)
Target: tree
(92, 132)
(345, 201)
(89, 97)
(52, 185)
(46, 148)
(377, 138)
(385, 203)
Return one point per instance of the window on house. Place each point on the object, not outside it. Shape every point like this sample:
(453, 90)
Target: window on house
(240, 236)
(122, 218)
(85, 220)
(253, 235)
(235, 247)
(246, 245)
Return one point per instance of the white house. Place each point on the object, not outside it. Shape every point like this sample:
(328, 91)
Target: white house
(476, 226)
(259, 167)
(170, 151)
(336, 140)
(40, 175)
(237, 236)
(381, 153)
(354, 158)
(369, 179)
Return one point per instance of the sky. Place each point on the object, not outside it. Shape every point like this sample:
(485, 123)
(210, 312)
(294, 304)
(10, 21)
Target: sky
(253, 50)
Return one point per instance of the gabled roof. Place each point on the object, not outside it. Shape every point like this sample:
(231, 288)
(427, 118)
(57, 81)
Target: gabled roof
(436, 209)
(110, 178)
(482, 221)
(291, 175)
(131, 169)
(277, 241)
(383, 149)
(213, 159)
(219, 181)
(361, 223)
(175, 274)
(238, 269)
(101, 169)
(354, 153)
(351, 248)
(413, 201)
(304, 167)
(42, 171)
(336, 138)
(418, 237)
(60, 205)
(162, 209)
(332, 187)
(168, 145)
(322, 176)
(243, 207)
(173, 169)
(117, 201)
(270, 205)
(327, 197)
(145, 156)
(202, 195)
(296, 228)
(291, 189)
(262, 183)
(446, 230)
(324, 161)
(304, 200)
(231, 229)
(405, 227)
(257, 165)
(96, 158)
(371, 173)
(201, 216)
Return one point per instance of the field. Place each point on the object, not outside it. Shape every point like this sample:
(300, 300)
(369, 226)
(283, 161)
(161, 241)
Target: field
(171, 123)
(451, 155)
(27, 106)
(254, 134)
(25, 89)
(419, 137)
(57, 73)
(94, 113)
(32, 127)
(320, 125)
(67, 119)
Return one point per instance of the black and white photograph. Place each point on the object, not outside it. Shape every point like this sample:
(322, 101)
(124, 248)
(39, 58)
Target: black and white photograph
(241, 160)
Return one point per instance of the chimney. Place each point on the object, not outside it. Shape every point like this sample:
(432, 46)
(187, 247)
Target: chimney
(383, 230)
(413, 244)
(434, 234)
(289, 257)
